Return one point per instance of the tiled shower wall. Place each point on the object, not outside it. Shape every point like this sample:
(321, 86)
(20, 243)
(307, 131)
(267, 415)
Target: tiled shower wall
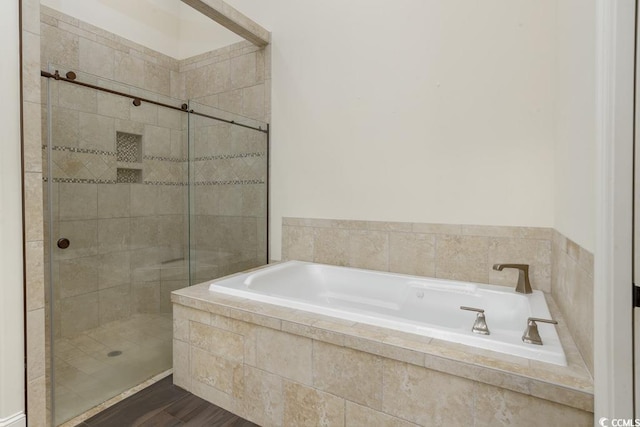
(95, 212)
(230, 174)
(461, 252)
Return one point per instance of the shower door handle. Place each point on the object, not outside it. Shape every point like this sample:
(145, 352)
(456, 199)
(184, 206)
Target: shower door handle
(63, 243)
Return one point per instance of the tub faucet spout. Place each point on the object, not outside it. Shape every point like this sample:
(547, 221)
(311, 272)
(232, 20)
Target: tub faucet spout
(524, 285)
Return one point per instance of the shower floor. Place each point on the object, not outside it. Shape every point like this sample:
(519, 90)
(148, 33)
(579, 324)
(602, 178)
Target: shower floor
(101, 363)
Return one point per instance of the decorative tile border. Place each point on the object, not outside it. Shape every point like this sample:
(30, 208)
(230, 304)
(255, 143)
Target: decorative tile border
(232, 182)
(80, 180)
(164, 159)
(81, 150)
(164, 183)
(109, 181)
(230, 156)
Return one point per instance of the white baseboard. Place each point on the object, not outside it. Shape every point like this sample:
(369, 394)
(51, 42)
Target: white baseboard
(17, 420)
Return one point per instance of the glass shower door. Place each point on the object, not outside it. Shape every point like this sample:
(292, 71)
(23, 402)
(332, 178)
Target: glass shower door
(228, 193)
(116, 188)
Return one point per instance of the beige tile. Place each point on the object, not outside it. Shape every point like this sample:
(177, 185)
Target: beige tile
(78, 201)
(65, 127)
(297, 243)
(35, 344)
(215, 396)
(34, 275)
(113, 303)
(425, 228)
(77, 98)
(320, 331)
(129, 69)
(113, 235)
(145, 297)
(145, 113)
(114, 201)
(113, 105)
(218, 372)
(157, 79)
(536, 253)
(284, 354)
(412, 253)
(358, 415)
(253, 102)
(331, 246)
(573, 249)
(157, 141)
(181, 364)
(34, 209)
(31, 79)
(348, 373)
(217, 341)
(243, 70)
(168, 286)
(263, 399)
(31, 16)
(462, 258)
(79, 313)
(97, 132)
(32, 137)
(369, 249)
(143, 199)
(36, 402)
(426, 397)
(78, 276)
(230, 100)
(96, 58)
(305, 406)
(183, 316)
(83, 238)
(499, 407)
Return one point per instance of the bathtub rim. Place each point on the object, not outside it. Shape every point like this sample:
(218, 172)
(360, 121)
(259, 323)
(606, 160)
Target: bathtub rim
(571, 385)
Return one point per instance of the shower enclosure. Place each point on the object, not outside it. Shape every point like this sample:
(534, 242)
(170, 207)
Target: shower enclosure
(144, 194)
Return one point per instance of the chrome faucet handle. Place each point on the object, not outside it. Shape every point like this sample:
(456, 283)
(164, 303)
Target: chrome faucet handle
(480, 325)
(531, 334)
(524, 285)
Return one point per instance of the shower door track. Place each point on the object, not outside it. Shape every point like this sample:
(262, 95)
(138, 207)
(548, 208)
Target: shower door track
(137, 100)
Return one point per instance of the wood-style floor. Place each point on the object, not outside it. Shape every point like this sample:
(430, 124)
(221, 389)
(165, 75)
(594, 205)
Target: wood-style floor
(165, 405)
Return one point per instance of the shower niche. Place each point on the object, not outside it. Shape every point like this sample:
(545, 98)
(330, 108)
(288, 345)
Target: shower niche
(129, 158)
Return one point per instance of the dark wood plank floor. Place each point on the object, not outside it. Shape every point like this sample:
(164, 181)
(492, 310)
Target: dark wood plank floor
(165, 405)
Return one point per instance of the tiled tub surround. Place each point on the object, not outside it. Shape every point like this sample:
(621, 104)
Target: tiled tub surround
(277, 366)
(459, 252)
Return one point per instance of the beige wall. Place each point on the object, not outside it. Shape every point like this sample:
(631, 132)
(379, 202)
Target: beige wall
(437, 112)
(575, 121)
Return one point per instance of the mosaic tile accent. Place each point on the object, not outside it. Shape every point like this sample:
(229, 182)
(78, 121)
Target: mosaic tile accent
(80, 150)
(80, 180)
(177, 184)
(129, 176)
(129, 147)
(231, 182)
(164, 159)
(230, 156)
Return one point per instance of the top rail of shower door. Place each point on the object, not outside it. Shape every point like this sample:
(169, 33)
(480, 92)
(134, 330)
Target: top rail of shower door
(70, 77)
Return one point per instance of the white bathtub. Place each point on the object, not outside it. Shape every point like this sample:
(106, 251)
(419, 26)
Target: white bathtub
(425, 306)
